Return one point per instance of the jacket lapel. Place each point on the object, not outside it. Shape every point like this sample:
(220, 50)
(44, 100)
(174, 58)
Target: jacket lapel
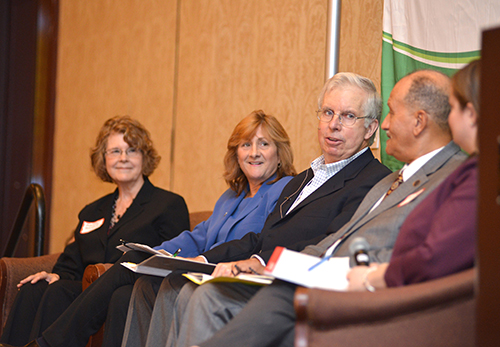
(105, 211)
(136, 208)
(246, 211)
(411, 186)
(336, 182)
(285, 205)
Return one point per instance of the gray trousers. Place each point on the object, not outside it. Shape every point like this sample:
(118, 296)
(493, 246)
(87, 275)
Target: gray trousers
(152, 307)
(210, 308)
(268, 319)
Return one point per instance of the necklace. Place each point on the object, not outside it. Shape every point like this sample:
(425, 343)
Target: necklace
(114, 217)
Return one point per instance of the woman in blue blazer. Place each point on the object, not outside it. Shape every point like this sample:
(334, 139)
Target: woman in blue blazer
(136, 211)
(258, 164)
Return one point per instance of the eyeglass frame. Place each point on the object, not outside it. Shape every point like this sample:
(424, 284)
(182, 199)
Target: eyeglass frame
(135, 152)
(321, 112)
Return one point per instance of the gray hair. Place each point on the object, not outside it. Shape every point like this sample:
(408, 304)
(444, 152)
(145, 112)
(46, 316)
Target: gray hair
(372, 107)
(429, 91)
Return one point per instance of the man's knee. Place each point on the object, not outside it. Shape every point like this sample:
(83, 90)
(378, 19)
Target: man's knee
(147, 285)
(205, 293)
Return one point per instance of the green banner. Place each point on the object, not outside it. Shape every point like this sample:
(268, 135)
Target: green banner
(429, 34)
(396, 65)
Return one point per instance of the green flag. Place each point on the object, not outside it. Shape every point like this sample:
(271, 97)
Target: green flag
(441, 35)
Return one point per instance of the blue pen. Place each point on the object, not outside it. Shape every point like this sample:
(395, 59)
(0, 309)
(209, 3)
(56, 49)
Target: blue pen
(328, 253)
(176, 253)
(319, 262)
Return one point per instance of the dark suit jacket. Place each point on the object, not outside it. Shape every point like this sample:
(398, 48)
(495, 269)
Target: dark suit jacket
(323, 212)
(380, 227)
(154, 216)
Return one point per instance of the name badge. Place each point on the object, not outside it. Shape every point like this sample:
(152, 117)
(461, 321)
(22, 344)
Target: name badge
(411, 197)
(87, 227)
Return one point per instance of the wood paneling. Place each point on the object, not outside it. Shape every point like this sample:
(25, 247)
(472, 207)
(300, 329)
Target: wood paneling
(488, 209)
(119, 57)
(115, 57)
(361, 40)
(235, 57)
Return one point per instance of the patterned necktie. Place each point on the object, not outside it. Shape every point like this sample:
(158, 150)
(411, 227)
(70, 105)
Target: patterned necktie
(396, 184)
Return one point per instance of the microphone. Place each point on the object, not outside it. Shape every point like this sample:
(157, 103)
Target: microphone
(359, 249)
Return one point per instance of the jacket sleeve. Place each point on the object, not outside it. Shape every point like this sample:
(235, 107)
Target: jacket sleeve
(251, 242)
(190, 242)
(234, 250)
(174, 219)
(443, 242)
(69, 265)
(356, 190)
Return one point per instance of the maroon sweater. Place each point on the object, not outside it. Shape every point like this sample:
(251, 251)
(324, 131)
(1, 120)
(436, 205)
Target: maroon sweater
(438, 238)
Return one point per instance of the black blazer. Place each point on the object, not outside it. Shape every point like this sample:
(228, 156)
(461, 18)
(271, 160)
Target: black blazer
(323, 212)
(154, 216)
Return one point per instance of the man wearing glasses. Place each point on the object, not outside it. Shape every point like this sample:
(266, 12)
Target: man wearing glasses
(419, 136)
(314, 204)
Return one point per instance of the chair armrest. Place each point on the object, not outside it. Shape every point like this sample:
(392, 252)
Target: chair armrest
(329, 308)
(13, 270)
(319, 311)
(93, 272)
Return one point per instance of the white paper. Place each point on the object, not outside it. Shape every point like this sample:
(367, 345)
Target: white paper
(294, 267)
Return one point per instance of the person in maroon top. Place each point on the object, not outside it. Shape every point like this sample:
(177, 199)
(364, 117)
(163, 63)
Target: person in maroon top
(438, 237)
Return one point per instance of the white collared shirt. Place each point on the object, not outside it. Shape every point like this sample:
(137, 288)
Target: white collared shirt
(322, 173)
(409, 169)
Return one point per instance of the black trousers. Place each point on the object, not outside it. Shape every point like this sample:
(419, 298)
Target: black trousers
(88, 311)
(117, 316)
(36, 307)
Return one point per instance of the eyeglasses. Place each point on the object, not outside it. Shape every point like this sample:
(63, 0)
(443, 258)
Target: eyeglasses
(347, 119)
(131, 152)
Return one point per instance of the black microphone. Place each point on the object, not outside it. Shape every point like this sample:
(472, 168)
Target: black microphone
(359, 249)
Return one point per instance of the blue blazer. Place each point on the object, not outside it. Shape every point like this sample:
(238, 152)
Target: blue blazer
(220, 228)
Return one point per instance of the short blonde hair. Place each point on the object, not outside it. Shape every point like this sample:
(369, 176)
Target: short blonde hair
(244, 131)
(134, 134)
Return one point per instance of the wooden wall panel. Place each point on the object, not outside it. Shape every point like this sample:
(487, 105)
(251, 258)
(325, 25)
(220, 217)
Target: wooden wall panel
(118, 57)
(115, 57)
(235, 57)
(361, 40)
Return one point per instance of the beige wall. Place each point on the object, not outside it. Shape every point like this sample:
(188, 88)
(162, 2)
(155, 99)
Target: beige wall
(189, 82)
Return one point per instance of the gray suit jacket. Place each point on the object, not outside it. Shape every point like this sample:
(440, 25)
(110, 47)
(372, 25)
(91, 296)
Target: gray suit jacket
(381, 227)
